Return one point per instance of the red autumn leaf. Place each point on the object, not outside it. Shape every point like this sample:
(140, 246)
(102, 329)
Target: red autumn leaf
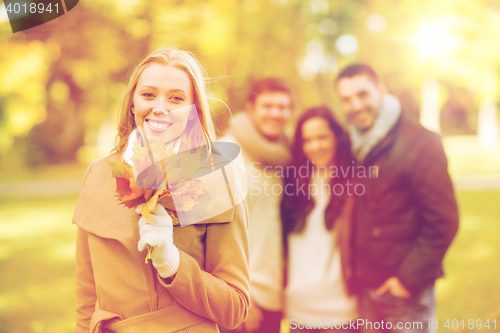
(133, 203)
(135, 191)
(122, 186)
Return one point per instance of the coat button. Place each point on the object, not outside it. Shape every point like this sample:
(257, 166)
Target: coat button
(376, 231)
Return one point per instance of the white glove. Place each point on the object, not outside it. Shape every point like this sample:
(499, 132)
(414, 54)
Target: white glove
(159, 235)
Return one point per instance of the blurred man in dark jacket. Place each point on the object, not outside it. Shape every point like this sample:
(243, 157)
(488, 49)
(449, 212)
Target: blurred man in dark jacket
(405, 213)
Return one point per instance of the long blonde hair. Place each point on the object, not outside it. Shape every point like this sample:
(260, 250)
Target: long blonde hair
(182, 60)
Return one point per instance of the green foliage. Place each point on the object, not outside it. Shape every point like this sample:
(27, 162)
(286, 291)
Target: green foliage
(60, 81)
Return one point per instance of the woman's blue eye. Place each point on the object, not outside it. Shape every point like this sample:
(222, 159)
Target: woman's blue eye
(178, 98)
(148, 95)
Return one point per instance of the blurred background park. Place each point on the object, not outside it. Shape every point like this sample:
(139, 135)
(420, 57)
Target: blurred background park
(60, 85)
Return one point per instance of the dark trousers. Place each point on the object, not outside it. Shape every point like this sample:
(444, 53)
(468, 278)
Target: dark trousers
(271, 323)
(388, 313)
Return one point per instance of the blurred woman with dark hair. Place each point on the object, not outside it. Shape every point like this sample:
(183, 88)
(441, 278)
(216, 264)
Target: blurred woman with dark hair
(314, 212)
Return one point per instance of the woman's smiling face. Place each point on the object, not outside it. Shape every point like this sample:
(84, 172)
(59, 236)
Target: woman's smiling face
(319, 142)
(163, 88)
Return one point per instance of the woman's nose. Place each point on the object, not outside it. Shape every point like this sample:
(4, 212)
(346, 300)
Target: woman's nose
(161, 108)
(315, 146)
(158, 111)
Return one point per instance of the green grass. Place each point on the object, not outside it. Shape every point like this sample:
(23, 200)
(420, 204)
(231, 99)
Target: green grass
(14, 172)
(37, 246)
(37, 242)
(470, 289)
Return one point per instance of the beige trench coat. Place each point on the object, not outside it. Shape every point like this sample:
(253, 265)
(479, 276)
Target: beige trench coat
(117, 292)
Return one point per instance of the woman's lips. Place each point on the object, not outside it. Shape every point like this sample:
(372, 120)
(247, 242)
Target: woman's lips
(158, 126)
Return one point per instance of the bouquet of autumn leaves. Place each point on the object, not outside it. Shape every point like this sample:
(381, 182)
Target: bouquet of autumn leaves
(157, 176)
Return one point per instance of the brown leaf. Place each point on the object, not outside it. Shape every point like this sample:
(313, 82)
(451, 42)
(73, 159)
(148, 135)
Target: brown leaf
(175, 219)
(148, 194)
(135, 191)
(166, 201)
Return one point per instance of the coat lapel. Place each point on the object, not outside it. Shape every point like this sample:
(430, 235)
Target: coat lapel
(98, 210)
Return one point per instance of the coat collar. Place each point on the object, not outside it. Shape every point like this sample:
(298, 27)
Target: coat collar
(384, 144)
(98, 211)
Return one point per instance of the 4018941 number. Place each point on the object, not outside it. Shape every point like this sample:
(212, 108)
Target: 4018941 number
(470, 324)
(32, 8)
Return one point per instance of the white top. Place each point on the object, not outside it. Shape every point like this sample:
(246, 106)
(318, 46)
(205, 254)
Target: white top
(315, 289)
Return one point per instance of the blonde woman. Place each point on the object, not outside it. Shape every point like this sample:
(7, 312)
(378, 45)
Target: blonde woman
(198, 276)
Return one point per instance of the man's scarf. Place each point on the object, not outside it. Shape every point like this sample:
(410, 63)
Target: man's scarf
(363, 142)
(260, 149)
